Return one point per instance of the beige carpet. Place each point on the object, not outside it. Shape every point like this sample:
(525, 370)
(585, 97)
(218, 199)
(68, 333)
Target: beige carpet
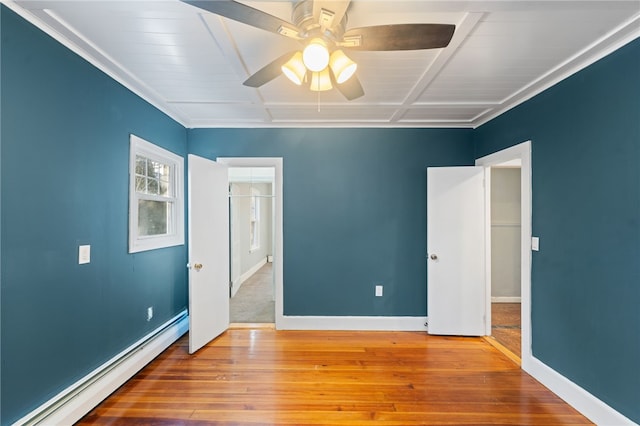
(254, 301)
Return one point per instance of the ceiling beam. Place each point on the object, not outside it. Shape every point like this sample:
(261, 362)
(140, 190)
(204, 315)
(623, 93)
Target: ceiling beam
(463, 29)
(223, 38)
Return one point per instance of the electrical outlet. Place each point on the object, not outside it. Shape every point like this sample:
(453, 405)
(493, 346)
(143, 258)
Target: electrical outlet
(149, 313)
(379, 291)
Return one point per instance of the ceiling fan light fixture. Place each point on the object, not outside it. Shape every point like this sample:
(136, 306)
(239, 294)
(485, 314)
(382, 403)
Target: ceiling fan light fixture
(342, 66)
(316, 56)
(321, 81)
(294, 69)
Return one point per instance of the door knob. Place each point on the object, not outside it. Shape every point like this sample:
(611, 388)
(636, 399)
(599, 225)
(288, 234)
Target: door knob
(197, 266)
(433, 257)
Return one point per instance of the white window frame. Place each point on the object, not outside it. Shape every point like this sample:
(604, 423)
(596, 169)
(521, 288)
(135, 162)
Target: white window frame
(175, 234)
(254, 220)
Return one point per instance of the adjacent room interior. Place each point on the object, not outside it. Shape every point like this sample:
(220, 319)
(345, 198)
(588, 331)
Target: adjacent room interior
(251, 255)
(505, 257)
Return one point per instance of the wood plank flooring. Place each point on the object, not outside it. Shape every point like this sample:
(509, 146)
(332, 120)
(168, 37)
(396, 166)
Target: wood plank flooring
(505, 326)
(269, 377)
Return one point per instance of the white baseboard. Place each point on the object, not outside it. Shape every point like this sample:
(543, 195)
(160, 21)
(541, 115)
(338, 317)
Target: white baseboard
(503, 299)
(255, 268)
(587, 404)
(73, 403)
(288, 322)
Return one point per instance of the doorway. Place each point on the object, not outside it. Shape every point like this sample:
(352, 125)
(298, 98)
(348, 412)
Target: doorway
(516, 155)
(252, 289)
(275, 262)
(505, 256)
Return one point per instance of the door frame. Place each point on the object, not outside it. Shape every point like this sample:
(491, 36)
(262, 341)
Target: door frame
(278, 251)
(521, 152)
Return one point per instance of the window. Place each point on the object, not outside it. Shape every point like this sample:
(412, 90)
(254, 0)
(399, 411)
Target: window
(156, 203)
(254, 220)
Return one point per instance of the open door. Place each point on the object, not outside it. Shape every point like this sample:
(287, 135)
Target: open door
(456, 299)
(208, 251)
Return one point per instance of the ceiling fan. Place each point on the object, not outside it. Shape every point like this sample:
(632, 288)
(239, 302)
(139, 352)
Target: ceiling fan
(320, 27)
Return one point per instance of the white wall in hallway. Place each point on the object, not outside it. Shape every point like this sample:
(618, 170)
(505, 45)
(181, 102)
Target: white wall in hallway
(505, 233)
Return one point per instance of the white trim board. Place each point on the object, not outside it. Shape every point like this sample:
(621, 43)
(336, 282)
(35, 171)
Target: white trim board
(505, 299)
(353, 323)
(588, 405)
(522, 153)
(81, 397)
(255, 268)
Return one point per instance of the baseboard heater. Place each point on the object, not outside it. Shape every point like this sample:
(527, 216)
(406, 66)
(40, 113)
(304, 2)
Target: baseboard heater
(74, 402)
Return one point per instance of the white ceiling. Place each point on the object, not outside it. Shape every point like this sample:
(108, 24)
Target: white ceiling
(191, 64)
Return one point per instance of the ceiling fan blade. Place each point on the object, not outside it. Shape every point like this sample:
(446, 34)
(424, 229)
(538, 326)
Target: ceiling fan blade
(335, 8)
(248, 15)
(269, 71)
(351, 89)
(399, 37)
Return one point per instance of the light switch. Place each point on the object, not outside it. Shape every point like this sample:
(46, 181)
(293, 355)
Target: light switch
(379, 291)
(535, 243)
(84, 254)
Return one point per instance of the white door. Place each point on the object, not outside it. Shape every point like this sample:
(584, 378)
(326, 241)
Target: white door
(456, 299)
(208, 251)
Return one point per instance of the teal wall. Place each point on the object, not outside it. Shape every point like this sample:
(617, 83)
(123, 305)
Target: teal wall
(585, 135)
(64, 175)
(354, 211)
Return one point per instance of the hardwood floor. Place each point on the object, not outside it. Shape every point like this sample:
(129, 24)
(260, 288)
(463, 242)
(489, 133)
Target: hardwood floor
(505, 326)
(270, 377)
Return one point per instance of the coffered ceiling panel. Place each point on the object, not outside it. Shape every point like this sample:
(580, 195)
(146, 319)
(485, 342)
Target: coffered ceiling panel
(192, 63)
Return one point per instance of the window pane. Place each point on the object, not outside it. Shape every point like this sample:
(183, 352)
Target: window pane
(164, 188)
(152, 186)
(164, 177)
(153, 217)
(152, 171)
(141, 165)
(158, 170)
(141, 184)
(153, 177)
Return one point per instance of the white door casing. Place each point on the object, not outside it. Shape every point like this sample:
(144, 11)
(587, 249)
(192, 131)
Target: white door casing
(208, 251)
(521, 153)
(456, 251)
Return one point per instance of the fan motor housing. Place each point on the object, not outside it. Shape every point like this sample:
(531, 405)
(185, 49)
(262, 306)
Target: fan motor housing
(302, 17)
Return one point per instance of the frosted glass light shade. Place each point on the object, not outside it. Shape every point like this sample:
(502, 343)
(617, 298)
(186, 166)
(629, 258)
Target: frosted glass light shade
(342, 66)
(321, 81)
(316, 56)
(294, 69)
